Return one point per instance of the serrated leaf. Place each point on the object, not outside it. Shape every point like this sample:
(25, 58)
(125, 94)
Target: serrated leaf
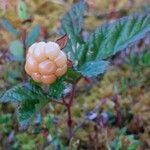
(111, 38)
(9, 27)
(22, 10)
(33, 35)
(23, 92)
(71, 25)
(72, 21)
(93, 68)
(56, 89)
(26, 111)
(16, 49)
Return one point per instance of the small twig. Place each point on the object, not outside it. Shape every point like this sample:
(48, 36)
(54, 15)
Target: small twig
(68, 107)
(23, 36)
(72, 94)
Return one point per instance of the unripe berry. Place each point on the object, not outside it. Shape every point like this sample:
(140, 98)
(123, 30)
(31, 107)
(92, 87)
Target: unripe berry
(45, 62)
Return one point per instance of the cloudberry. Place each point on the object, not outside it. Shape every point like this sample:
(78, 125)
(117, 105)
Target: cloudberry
(45, 62)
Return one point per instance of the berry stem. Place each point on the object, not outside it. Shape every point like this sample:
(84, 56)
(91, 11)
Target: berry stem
(24, 32)
(68, 107)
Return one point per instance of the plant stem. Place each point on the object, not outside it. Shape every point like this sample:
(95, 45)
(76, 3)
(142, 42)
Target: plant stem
(68, 107)
(24, 34)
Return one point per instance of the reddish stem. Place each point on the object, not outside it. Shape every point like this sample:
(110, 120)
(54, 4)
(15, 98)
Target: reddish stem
(68, 107)
(72, 94)
(23, 36)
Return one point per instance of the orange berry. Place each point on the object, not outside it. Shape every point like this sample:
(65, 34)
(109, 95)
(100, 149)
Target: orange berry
(48, 79)
(31, 65)
(36, 77)
(47, 67)
(52, 50)
(45, 62)
(39, 52)
(61, 60)
(61, 71)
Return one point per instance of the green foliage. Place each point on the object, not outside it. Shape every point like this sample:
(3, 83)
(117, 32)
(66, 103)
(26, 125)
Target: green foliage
(5, 118)
(111, 38)
(16, 49)
(31, 98)
(26, 111)
(22, 10)
(56, 89)
(93, 68)
(118, 143)
(27, 95)
(33, 35)
(72, 74)
(106, 40)
(146, 58)
(72, 23)
(24, 142)
(9, 27)
(89, 58)
(23, 92)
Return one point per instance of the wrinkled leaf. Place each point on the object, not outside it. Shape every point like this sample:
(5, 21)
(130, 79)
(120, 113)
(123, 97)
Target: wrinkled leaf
(71, 24)
(9, 27)
(33, 35)
(72, 21)
(16, 49)
(56, 89)
(93, 68)
(111, 38)
(23, 92)
(26, 111)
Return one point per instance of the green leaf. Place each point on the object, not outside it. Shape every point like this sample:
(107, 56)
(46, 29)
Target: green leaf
(71, 75)
(72, 23)
(93, 68)
(22, 10)
(56, 89)
(9, 27)
(23, 92)
(111, 38)
(5, 118)
(134, 145)
(26, 111)
(16, 49)
(146, 58)
(33, 35)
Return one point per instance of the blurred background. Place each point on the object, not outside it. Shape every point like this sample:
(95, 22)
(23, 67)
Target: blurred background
(113, 114)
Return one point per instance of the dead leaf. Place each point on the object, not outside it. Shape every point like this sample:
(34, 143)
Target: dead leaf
(62, 41)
